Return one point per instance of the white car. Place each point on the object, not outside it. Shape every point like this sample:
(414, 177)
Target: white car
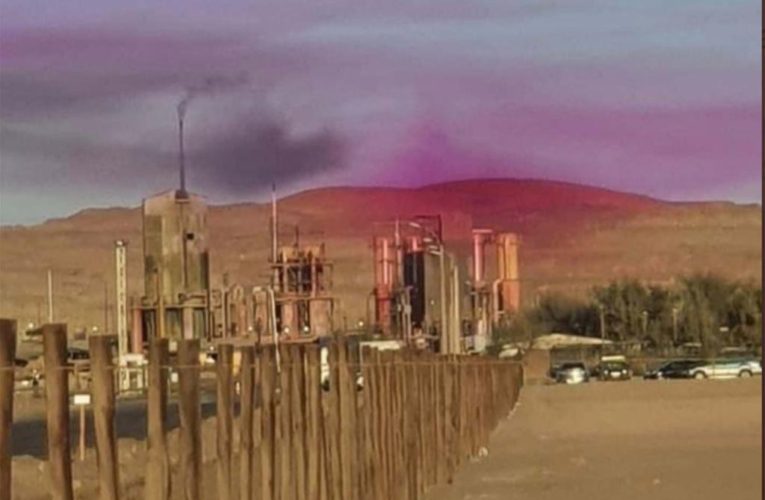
(727, 369)
(571, 373)
(754, 366)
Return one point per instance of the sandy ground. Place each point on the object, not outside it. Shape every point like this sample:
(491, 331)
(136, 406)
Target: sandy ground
(620, 440)
(624, 440)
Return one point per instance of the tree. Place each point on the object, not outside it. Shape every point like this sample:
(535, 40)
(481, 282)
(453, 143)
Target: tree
(624, 303)
(744, 314)
(695, 310)
(559, 313)
(705, 299)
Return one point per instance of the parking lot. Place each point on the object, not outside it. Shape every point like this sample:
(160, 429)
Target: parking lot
(675, 439)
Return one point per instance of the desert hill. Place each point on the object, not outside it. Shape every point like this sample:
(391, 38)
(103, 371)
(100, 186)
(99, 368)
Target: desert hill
(573, 237)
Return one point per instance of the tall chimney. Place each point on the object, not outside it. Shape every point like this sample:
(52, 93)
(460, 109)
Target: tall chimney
(181, 155)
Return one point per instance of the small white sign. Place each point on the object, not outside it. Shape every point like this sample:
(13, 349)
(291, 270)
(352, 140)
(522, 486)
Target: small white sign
(81, 399)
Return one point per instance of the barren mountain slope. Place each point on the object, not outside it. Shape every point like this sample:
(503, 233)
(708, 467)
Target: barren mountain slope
(573, 237)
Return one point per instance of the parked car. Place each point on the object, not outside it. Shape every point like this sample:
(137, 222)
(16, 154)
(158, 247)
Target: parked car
(725, 369)
(673, 369)
(754, 365)
(571, 373)
(77, 354)
(614, 370)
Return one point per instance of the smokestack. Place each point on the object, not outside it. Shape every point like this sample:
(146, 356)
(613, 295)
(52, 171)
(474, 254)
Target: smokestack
(181, 156)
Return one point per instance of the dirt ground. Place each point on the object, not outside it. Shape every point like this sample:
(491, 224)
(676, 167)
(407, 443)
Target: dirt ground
(624, 440)
(632, 440)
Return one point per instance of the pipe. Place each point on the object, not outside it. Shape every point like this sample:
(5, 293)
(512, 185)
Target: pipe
(399, 255)
(477, 257)
(414, 244)
(386, 274)
(444, 318)
(136, 344)
(495, 299)
(272, 296)
(501, 268)
(454, 347)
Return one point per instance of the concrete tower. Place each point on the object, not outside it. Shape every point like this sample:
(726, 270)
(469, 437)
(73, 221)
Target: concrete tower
(176, 265)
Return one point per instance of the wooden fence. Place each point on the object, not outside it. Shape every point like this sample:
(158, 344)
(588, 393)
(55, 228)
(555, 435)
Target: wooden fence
(382, 425)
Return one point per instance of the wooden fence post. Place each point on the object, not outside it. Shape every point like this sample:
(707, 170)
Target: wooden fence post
(374, 437)
(57, 406)
(345, 429)
(224, 420)
(257, 422)
(157, 467)
(102, 387)
(246, 426)
(441, 418)
(312, 443)
(297, 433)
(330, 420)
(266, 392)
(190, 418)
(364, 418)
(7, 366)
(282, 488)
(401, 454)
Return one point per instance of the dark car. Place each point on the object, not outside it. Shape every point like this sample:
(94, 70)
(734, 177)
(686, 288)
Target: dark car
(674, 369)
(614, 370)
(77, 354)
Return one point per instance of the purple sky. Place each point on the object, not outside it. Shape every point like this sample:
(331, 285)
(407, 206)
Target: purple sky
(655, 97)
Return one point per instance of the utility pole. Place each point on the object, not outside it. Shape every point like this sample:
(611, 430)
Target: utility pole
(674, 325)
(602, 321)
(120, 261)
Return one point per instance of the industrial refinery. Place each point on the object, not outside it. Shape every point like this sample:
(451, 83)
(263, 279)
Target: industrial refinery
(425, 294)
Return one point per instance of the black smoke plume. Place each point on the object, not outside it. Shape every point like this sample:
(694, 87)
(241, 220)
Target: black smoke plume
(209, 86)
(252, 152)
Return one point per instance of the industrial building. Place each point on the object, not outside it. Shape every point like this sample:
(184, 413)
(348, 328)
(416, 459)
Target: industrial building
(421, 293)
(493, 301)
(418, 288)
(297, 303)
(176, 267)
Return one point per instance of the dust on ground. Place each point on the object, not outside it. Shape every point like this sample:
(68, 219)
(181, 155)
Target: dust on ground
(623, 440)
